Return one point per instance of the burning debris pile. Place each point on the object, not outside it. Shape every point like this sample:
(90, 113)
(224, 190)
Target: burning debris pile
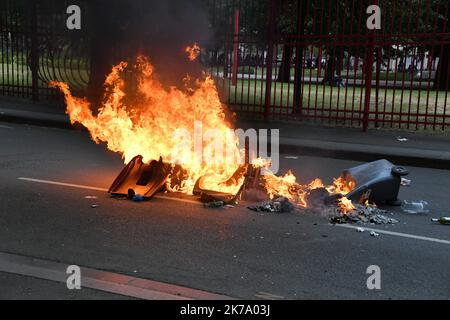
(149, 133)
(363, 213)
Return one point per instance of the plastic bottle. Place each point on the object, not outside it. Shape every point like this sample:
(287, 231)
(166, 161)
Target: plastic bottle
(442, 220)
(415, 207)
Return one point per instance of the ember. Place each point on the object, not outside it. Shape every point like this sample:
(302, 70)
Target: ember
(193, 51)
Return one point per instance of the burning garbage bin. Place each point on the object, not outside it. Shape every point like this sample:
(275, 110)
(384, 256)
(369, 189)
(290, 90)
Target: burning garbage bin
(378, 181)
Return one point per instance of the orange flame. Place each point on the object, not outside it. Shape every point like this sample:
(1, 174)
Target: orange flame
(342, 185)
(287, 186)
(192, 51)
(346, 205)
(146, 127)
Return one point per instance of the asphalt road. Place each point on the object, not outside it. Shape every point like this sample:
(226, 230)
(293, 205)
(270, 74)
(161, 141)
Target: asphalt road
(235, 252)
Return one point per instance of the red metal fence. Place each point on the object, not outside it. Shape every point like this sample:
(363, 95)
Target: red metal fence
(303, 60)
(36, 47)
(316, 60)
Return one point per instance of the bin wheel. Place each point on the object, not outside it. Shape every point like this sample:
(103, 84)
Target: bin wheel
(399, 171)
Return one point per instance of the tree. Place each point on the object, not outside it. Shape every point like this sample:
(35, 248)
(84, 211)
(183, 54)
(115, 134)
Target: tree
(442, 78)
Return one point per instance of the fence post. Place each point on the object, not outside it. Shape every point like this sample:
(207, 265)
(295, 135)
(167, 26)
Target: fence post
(377, 90)
(299, 57)
(269, 58)
(34, 54)
(235, 48)
(368, 78)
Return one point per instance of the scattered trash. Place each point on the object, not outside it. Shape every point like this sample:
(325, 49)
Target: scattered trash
(360, 229)
(374, 234)
(213, 204)
(365, 214)
(415, 207)
(442, 220)
(94, 205)
(278, 205)
(402, 139)
(138, 198)
(405, 182)
(90, 197)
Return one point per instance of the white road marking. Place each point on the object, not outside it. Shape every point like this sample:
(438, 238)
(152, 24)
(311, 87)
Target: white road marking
(268, 296)
(5, 127)
(72, 185)
(102, 280)
(81, 186)
(398, 234)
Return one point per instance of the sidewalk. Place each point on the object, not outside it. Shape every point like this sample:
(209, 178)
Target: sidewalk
(431, 150)
(421, 149)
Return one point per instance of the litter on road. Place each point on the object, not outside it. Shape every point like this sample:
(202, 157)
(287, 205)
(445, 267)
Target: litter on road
(213, 204)
(442, 220)
(405, 182)
(366, 214)
(415, 207)
(276, 205)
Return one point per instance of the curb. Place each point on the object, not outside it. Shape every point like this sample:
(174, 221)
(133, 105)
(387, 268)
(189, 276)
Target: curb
(35, 118)
(367, 156)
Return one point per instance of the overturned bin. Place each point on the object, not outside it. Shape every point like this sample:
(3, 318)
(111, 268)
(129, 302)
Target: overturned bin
(378, 181)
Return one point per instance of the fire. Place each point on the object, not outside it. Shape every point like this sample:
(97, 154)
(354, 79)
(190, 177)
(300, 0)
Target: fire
(342, 185)
(192, 51)
(287, 186)
(146, 126)
(346, 205)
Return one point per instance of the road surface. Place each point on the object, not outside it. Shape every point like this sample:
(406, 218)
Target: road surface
(233, 252)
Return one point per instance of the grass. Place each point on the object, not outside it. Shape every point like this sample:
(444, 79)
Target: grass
(319, 101)
(20, 75)
(326, 101)
(258, 72)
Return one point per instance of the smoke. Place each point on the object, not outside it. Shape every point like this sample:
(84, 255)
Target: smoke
(160, 30)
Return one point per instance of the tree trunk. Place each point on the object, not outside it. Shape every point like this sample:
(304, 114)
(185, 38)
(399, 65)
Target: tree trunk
(442, 78)
(284, 72)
